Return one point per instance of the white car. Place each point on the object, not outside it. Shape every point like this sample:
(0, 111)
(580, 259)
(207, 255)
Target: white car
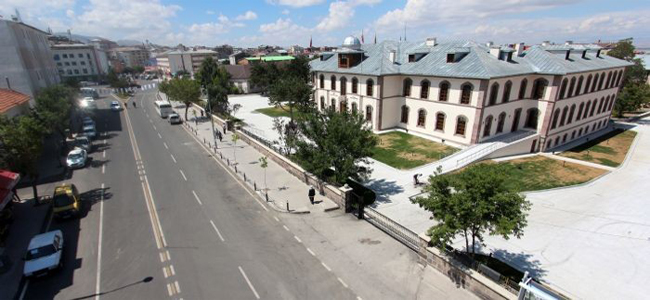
(115, 106)
(88, 102)
(89, 131)
(174, 118)
(87, 121)
(77, 158)
(44, 254)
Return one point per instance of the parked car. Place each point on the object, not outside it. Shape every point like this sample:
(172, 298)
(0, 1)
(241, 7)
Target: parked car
(89, 103)
(83, 142)
(174, 118)
(116, 106)
(66, 201)
(77, 158)
(87, 121)
(44, 254)
(89, 131)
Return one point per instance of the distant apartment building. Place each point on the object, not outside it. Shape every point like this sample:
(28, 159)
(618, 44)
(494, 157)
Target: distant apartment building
(25, 58)
(103, 44)
(129, 56)
(223, 51)
(188, 61)
(80, 61)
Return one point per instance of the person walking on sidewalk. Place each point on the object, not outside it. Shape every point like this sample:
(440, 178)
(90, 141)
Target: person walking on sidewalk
(312, 193)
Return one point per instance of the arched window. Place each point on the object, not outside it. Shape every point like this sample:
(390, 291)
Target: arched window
(343, 106)
(565, 111)
(611, 103)
(444, 91)
(321, 81)
(548, 144)
(595, 84)
(322, 103)
(424, 89)
(578, 90)
(600, 105)
(580, 109)
(369, 87)
(609, 80)
(355, 85)
(506, 91)
(494, 91)
(556, 116)
(461, 123)
(488, 126)
(565, 82)
(333, 83)
(557, 141)
(614, 79)
(422, 117)
(466, 93)
(571, 113)
(405, 114)
(406, 92)
(539, 87)
(531, 118)
(522, 88)
(344, 85)
(593, 107)
(571, 86)
(333, 104)
(354, 107)
(618, 80)
(588, 84)
(606, 104)
(500, 122)
(602, 80)
(368, 113)
(586, 114)
(440, 121)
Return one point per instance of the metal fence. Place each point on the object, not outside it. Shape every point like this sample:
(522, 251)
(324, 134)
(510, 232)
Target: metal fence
(394, 229)
(260, 139)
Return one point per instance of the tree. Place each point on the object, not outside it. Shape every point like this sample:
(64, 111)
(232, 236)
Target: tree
(338, 141)
(623, 50)
(71, 82)
(234, 138)
(287, 135)
(22, 144)
(115, 81)
(299, 68)
(138, 69)
(631, 98)
(264, 164)
(290, 93)
(263, 75)
(53, 109)
(635, 74)
(184, 90)
(215, 81)
(471, 203)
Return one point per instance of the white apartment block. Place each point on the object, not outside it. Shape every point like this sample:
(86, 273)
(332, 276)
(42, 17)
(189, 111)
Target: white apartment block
(464, 93)
(84, 62)
(189, 61)
(130, 56)
(25, 58)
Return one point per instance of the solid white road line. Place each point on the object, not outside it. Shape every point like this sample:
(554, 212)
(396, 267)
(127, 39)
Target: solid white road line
(99, 245)
(165, 145)
(22, 294)
(249, 283)
(276, 218)
(104, 154)
(103, 169)
(197, 198)
(297, 239)
(183, 175)
(173, 158)
(311, 252)
(326, 267)
(159, 136)
(154, 128)
(342, 282)
(217, 230)
(285, 227)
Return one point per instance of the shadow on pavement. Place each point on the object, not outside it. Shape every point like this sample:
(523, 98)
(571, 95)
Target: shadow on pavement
(384, 188)
(522, 262)
(145, 280)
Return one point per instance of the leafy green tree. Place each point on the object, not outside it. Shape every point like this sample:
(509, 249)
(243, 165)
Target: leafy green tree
(215, 81)
(264, 74)
(184, 90)
(341, 141)
(623, 50)
(115, 81)
(138, 69)
(631, 98)
(471, 203)
(264, 163)
(290, 93)
(635, 74)
(71, 82)
(298, 67)
(53, 108)
(22, 144)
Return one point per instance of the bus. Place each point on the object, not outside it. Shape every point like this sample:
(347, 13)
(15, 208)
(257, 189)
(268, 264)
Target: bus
(164, 108)
(89, 92)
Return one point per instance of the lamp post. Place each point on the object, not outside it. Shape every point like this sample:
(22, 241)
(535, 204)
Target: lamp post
(209, 114)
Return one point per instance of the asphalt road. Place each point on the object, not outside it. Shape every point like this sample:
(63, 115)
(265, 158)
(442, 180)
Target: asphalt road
(168, 213)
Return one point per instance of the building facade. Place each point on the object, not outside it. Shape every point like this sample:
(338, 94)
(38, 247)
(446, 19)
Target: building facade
(240, 77)
(464, 93)
(129, 56)
(25, 58)
(80, 61)
(188, 61)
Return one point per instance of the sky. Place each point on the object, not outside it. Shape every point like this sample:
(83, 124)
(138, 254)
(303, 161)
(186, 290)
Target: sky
(292, 22)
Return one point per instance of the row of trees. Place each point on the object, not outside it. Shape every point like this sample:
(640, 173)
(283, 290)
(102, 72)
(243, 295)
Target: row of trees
(22, 137)
(635, 93)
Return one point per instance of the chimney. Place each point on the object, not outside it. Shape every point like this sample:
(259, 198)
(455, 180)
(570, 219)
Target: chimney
(431, 42)
(568, 43)
(391, 56)
(8, 84)
(519, 48)
(489, 44)
(598, 53)
(496, 52)
(546, 43)
(584, 54)
(568, 53)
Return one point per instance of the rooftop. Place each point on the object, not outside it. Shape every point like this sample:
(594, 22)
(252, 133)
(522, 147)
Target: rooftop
(10, 99)
(272, 58)
(239, 71)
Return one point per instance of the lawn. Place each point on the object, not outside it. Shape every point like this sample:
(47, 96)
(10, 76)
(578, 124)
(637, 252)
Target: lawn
(609, 149)
(541, 173)
(404, 151)
(275, 112)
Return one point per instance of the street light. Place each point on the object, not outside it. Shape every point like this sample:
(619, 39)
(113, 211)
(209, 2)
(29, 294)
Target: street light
(209, 114)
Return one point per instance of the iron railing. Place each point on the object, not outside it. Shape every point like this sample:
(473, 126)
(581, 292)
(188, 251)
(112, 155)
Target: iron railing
(392, 228)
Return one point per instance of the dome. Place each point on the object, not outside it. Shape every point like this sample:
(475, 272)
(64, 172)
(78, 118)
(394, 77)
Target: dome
(351, 42)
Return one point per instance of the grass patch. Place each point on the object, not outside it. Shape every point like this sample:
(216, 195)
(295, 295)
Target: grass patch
(609, 149)
(404, 151)
(542, 173)
(275, 112)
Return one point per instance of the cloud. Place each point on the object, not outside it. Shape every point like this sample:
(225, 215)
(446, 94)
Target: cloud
(282, 31)
(295, 3)
(340, 14)
(285, 12)
(247, 16)
(210, 12)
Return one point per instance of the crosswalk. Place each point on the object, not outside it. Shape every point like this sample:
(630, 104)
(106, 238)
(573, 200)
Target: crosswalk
(106, 91)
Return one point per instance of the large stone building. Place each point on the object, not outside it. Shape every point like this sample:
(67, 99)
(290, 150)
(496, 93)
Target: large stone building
(25, 58)
(84, 62)
(129, 56)
(464, 93)
(188, 61)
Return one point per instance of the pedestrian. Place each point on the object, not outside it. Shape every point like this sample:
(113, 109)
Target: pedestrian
(312, 193)
(220, 136)
(201, 114)
(415, 179)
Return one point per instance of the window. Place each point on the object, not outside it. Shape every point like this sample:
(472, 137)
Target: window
(595, 84)
(564, 138)
(602, 80)
(368, 113)
(444, 91)
(488, 126)
(76, 72)
(80, 55)
(333, 104)
(322, 103)
(606, 104)
(321, 80)
(571, 86)
(424, 89)
(59, 64)
(411, 57)
(571, 112)
(88, 55)
(565, 82)
(344, 85)
(83, 63)
(461, 123)
(56, 57)
(573, 135)
(74, 63)
(354, 107)
(611, 104)
(587, 84)
(565, 111)
(501, 122)
(609, 80)
(440, 121)
(578, 90)
(333, 83)
(422, 117)
(593, 107)
(450, 57)
(71, 55)
(69, 72)
(539, 87)
(65, 55)
(594, 127)
(586, 114)
(343, 106)
(580, 132)
(556, 116)
(494, 91)
(522, 88)
(405, 114)
(466, 93)
(618, 80)
(531, 118)
(369, 87)
(355, 85)
(506, 92)
(85, 71)
(557, 141)
(406, 92)
(580, 109)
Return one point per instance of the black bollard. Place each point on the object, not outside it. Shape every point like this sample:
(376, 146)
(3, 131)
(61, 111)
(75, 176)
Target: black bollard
(254, 186)
(244, 177)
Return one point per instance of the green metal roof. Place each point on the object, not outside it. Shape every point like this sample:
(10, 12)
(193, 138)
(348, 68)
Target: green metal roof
(272, 58)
